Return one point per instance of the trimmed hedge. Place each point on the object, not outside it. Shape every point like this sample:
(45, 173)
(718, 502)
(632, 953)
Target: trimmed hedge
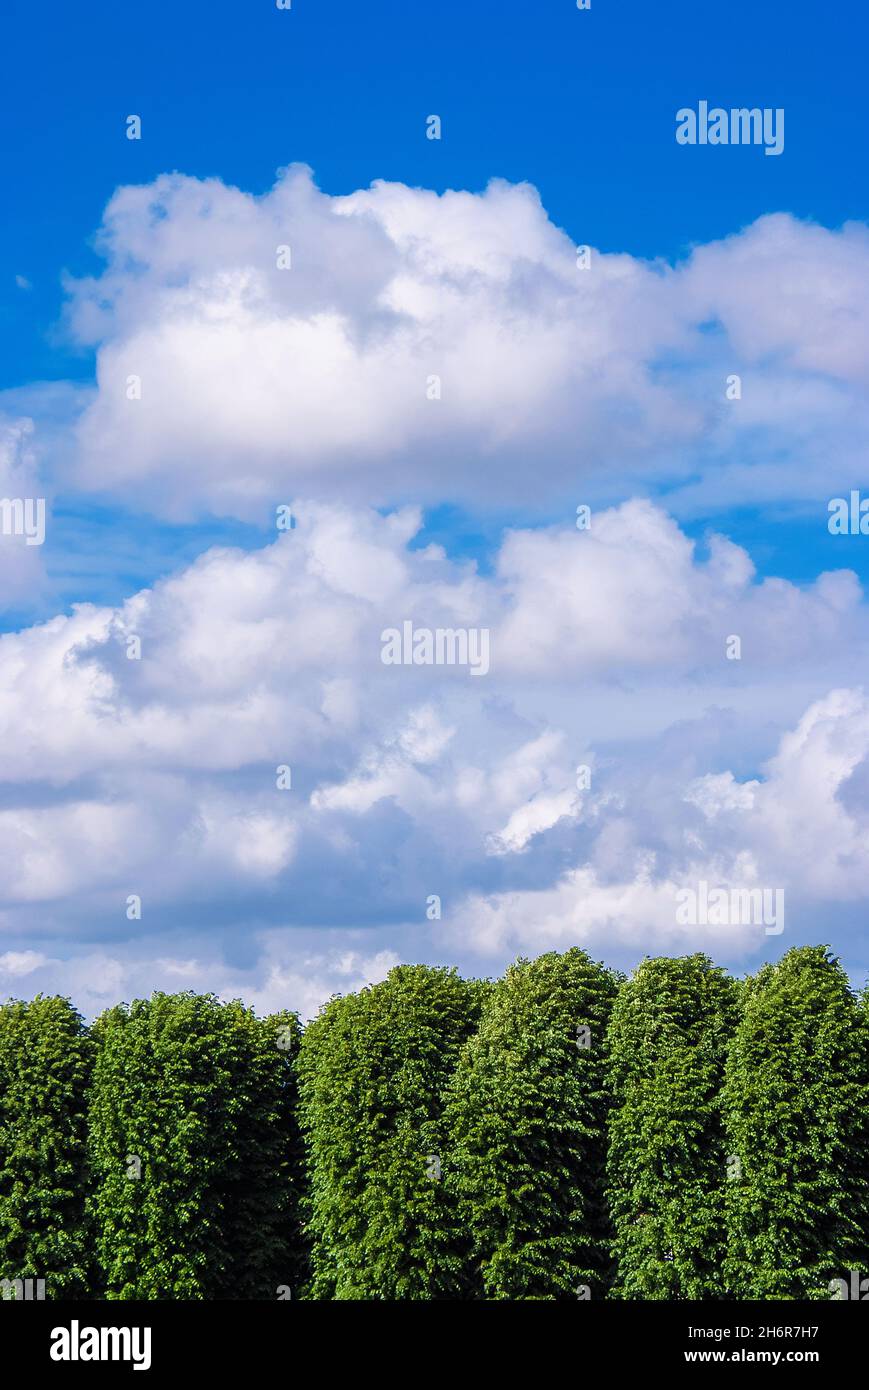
(561, 1133)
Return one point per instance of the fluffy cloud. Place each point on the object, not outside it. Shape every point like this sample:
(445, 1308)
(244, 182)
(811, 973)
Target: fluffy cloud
(629, 594)
(287, 976)
(259, 382)
(797, 830)
(157, 774)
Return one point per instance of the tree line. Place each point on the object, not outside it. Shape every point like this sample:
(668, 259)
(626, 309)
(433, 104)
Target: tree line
(563, 1132)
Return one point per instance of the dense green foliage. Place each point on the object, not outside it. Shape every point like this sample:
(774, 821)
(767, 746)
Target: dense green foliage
(45, 1066)
(526, 1115)
(797, 1112)
(373, 1068)
(667, 1159)
(562, 1133)
(193, 1142)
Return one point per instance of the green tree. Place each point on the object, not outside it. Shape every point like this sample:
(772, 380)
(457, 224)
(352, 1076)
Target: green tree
(796, 1106)
(195, 1150)
(45, 1067)
(373, 1067)
(526, 1113)
(667, 1169)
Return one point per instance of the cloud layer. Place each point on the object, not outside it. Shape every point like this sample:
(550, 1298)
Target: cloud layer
(230, 748)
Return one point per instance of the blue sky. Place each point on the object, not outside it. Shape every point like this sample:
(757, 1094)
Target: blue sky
(238, 90)
(558, 390)
(578, 103)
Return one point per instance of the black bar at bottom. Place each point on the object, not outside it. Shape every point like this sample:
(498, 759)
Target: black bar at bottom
(85, 1339)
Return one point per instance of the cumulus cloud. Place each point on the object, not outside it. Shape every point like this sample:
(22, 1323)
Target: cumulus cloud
(15, 964)
(287, 975)
(629, 594)
(638, 912)
(395, 343)
(143, 748)
(791, 832)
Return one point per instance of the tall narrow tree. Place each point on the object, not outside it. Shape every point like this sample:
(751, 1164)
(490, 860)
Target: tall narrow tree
(193, 1146)
(667, 1162)
(373, 1068)
(45, 1067)
(797, 1115)
(527, 1115)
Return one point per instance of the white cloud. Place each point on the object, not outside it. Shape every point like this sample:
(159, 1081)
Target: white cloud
(629, 594)
(158, 776)
(793, 830)
(309, 979)
(259, 382)
(286, 976)
(392, 770)
(15, 964)
(638, 912)
(791, 290)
